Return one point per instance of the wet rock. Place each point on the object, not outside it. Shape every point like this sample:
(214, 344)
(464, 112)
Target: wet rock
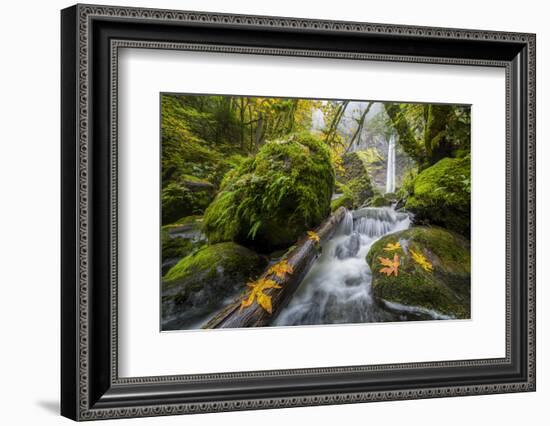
(445, 288)
(349, 248)
(202, 282)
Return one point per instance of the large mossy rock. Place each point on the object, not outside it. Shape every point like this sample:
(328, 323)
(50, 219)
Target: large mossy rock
(445, 289)
(200, 283)
(355, 180)
(441, 195)
(272, 199)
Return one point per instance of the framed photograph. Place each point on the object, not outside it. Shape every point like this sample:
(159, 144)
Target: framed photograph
(263, 212)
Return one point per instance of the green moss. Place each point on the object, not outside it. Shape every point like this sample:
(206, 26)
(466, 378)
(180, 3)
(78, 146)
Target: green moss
(446, 289)
(204, 282)
(345, 200)
(191, 221)
(406, 188)
(379, 200)
(369, 156)
(185, 198)
(175, 248)
(441, 195)
(361, 190)
(213, 266)
(355, 181)
(270, 200)
(183, 151)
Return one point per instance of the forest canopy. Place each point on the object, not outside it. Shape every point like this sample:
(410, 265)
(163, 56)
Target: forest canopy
(251, 185)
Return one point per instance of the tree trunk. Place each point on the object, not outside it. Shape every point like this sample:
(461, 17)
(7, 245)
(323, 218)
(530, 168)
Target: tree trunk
(360, 125)
(407, 139)
(259, 130)
(242, 123)
(336, 120)
(301, 258)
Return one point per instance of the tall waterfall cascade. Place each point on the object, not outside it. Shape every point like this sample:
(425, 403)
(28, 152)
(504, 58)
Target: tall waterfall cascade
(390, 171)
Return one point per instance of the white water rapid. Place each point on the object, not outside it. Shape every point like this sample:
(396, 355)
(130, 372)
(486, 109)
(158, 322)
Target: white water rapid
(337, 288)
(390, 171)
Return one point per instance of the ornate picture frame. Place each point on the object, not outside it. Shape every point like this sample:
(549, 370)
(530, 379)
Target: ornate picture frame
(91, 37)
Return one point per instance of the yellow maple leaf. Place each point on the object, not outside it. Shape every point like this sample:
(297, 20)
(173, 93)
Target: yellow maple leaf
(257, 292)
(281, 269)
(421, 260)
(392, 247)
(391, 266)
(312, 235)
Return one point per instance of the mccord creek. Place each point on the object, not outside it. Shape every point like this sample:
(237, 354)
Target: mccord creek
(287, 212)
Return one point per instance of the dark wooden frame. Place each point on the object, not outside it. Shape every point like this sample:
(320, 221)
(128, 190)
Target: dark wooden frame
(91, 37)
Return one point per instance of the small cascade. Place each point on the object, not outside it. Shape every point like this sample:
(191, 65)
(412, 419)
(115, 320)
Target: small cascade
(337, 288)
(347, 223)
(376, 222)
(390, 171)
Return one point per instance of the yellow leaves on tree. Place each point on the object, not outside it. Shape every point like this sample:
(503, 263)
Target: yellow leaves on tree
(390, 266)
(392, 247)
(421, 260)
(312, 235)
(336, 153)
(257, 292)
(281, 269)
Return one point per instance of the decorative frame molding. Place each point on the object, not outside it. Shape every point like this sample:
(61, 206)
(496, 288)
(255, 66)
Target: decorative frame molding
(91, 388)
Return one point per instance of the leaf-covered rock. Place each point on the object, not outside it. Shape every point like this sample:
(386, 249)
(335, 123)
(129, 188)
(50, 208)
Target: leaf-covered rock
(441, 195)
(272, 199)
(433, 270)
(202, 282)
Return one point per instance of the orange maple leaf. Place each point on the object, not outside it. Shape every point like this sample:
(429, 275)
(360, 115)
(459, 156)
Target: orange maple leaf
(391, 266)
(281, 269)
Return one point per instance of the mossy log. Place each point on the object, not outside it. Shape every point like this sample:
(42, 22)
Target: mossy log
(300, 257)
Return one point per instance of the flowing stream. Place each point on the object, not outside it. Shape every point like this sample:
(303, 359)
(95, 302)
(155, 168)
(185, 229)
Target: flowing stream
(390, 170)
(337, 288)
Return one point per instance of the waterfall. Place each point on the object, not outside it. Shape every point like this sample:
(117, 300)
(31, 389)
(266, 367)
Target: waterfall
(337, 288)
(390, 171)
(317, 120)
(347, 223)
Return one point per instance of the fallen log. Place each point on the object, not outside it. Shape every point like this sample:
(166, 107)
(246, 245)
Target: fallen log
(300, 257)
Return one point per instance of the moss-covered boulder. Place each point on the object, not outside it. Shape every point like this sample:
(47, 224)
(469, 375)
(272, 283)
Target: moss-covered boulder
(273, 198)
(379, 200)
(189, 196)
(342, 200)
(441, 195)
(202, 282)
(444, 287)
(354, 179)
